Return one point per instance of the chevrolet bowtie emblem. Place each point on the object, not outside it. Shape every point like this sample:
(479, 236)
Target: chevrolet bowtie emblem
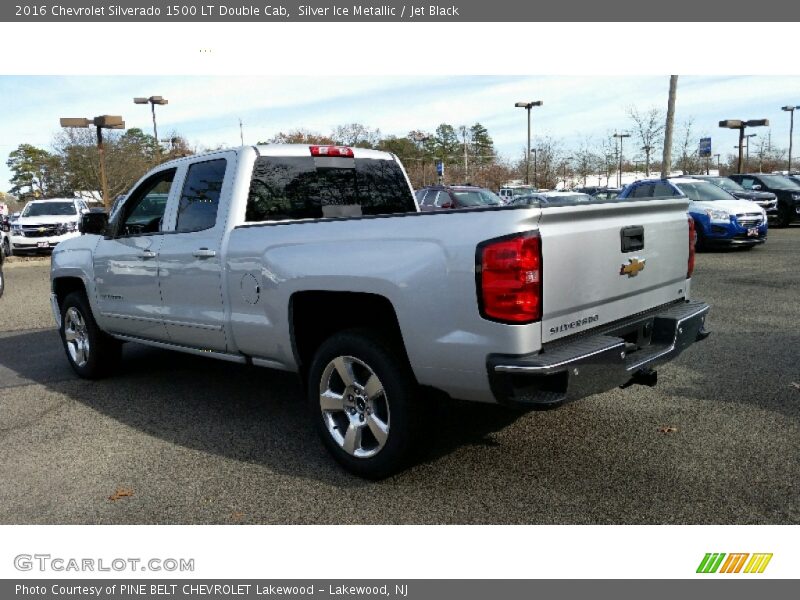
(42, 229)
(633, 267)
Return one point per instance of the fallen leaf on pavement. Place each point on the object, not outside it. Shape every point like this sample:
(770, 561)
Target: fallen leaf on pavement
(120, 493)
(667, 429)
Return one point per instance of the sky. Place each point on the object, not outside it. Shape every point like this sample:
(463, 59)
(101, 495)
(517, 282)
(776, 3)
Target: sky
(206, 110)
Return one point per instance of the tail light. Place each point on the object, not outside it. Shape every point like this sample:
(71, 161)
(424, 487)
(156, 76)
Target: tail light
(509, 279)
(692, 243)
(343, 151)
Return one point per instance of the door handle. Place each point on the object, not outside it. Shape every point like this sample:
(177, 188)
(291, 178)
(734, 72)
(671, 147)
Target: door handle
(204, 253)
(148, 254)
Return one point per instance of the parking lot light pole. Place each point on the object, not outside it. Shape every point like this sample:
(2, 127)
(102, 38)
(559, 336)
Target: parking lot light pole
(790, 110)
(719, 166)
(152, 101)
(101, 122)
(535, 168)
(741, 126)
(528, 106)
(621, 137)
(747, 150)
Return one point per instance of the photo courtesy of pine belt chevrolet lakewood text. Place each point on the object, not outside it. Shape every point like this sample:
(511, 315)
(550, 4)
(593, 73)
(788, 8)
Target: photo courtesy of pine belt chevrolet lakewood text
(317, 260)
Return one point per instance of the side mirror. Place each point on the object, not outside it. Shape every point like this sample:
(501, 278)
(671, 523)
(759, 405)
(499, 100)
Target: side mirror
(756, 187)
(94, 223)
(447, 205)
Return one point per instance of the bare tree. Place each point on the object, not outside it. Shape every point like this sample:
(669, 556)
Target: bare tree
(648, 127)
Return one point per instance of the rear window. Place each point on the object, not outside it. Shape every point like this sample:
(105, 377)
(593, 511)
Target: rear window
(284, 188)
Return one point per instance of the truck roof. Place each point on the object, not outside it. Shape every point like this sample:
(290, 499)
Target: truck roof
(287, 150)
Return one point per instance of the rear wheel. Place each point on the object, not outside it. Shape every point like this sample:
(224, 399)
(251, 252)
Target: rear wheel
(365, 403)
(91, 352)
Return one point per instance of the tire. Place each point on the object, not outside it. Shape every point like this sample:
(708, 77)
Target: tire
(784, 217)
(372, 426)
(7, 248)
(2, 280)
(92, 353)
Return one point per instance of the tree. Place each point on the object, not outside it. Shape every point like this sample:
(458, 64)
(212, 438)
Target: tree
(688, 161)
(648, 127)
(128, 156)
(299, 136)
(481, 145)
(36, 174)
(356, 134)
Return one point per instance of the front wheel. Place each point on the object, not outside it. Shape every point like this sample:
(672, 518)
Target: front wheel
(91, 352)
(365, 403)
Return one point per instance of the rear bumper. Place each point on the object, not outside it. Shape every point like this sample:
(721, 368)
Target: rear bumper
(597, 363)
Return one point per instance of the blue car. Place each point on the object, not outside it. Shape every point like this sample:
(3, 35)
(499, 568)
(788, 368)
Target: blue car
(720, 218)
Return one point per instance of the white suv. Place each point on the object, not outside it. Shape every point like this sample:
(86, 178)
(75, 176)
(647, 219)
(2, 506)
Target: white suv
(44, 223)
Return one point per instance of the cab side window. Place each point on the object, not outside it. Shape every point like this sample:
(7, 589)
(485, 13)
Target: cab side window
(747, 183)
(642, 191)
(199, 202)
(143, 211)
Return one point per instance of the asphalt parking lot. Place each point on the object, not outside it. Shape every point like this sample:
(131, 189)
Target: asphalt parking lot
(181, 439)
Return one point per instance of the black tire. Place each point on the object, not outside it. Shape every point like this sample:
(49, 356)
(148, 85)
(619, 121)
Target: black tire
(7, 249)
(103, 352)
(700, 243)
(784, 217)
(2, 280)
(400, 394)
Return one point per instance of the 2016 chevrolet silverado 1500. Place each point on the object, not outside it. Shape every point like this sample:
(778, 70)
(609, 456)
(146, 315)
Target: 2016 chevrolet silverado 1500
(317, 260)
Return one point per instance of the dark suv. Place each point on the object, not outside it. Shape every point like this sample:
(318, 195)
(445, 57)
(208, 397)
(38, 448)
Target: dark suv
(439, 197)
(787, 191)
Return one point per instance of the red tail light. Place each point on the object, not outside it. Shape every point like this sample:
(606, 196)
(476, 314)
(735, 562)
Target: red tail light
(692, 243)
(509, 273)
(331, 151)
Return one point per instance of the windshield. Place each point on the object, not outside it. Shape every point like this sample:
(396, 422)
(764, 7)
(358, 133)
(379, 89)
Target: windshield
(780, 182)
(42, 209)
(477, 198)
(703, 191)
(728, 184)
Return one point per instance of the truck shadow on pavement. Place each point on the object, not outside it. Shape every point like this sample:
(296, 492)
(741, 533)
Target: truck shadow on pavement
(240, 412)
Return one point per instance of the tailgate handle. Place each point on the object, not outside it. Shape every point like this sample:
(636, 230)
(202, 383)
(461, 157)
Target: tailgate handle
(632, 238)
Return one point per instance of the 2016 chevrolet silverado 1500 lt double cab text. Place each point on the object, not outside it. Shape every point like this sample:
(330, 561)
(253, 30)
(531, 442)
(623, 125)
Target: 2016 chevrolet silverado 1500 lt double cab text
(317, 260)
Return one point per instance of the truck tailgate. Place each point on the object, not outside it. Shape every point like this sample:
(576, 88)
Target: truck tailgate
(605, 262)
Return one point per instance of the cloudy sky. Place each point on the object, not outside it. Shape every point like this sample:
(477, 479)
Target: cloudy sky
(206, 110)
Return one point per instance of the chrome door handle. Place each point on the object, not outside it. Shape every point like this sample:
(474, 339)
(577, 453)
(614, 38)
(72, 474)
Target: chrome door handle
(204, 253)
(148, 254)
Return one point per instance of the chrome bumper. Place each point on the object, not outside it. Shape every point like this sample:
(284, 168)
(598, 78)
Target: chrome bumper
(597, 363)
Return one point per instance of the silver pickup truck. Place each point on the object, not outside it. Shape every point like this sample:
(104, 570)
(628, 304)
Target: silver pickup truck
(316, 260)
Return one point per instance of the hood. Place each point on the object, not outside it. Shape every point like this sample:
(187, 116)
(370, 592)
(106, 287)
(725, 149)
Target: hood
(732, 206)
(754, 195)
(46, 220)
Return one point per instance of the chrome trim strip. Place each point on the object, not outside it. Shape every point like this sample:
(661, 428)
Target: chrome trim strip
(270, 364)
(164, 321)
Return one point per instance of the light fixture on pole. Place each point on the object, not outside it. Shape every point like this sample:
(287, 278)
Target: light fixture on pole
(528, 106)
(152, 101)
(621, 137)
(101, 122)
(790, 110)
(741, 125)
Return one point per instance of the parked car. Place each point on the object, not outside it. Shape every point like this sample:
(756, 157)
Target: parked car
(45, 223)
(766, 200)
(316, 260)
(545, 199)
(2, 275)
(5, 240)
(787, 191)
(438, 197)
(604, 192)
(509, 193)
(720, 219)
